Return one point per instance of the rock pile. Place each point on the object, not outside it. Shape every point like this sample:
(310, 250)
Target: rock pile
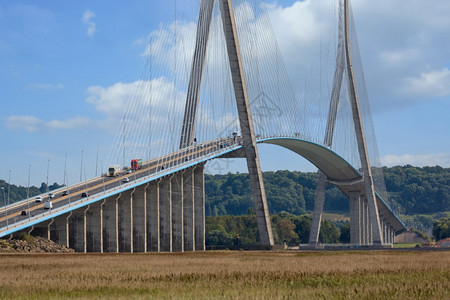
(32, 245)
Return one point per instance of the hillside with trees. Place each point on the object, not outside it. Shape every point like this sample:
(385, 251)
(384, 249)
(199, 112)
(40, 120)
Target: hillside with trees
(413, 190)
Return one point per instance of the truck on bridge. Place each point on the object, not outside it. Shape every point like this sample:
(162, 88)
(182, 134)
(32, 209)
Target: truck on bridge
(113, 171)
(136, 164)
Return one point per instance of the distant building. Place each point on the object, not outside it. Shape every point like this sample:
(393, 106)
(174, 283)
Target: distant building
(443, 243)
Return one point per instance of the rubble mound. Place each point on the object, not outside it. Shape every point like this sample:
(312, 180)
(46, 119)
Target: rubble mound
(30, 244)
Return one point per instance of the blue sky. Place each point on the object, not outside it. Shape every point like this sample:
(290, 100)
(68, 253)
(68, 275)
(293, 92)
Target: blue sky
(52, 53)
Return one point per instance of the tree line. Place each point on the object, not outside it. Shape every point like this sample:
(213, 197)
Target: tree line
(17, 192)
(413, 190)
(241, 231)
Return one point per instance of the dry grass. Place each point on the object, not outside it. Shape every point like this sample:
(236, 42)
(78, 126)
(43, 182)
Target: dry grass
(206, 275)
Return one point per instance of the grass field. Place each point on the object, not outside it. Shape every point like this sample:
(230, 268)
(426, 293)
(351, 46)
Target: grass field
(228, 274)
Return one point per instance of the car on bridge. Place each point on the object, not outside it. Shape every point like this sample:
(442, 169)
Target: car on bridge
(126, 179)
(48, 204)
(38, 199)
(65, 193)
(84, 195)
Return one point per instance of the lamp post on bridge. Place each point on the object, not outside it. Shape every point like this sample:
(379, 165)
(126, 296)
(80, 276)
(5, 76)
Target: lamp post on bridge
(6, 210)
(7, 200)
(28, 192)
(48, 168)
(81, 167)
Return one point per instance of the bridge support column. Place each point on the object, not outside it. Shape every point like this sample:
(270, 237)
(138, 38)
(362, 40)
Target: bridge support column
(165, 214)
(140, 219)
(77, 230)
(365, 222)
(59, 230)
(392, 235)
(42, 229)
(94, 227)
(125, 221)
(110, 225)
(360, 136)
(355, 218)
(385, 231)
(199, 207)
(153, 219)
(177, 212)
(318, 209)
(387, 236)
(246, 122)
(188, 212)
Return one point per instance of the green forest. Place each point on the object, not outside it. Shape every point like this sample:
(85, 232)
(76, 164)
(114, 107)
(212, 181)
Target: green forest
(412, 190)
(240, 231)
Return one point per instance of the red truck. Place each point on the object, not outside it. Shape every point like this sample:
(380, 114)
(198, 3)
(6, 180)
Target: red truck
(136, 164)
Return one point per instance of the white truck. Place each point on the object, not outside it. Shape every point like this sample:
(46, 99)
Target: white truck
(113, 171)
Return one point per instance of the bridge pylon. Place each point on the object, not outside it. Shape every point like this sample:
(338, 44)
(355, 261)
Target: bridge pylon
(242, 102)
(364, 230)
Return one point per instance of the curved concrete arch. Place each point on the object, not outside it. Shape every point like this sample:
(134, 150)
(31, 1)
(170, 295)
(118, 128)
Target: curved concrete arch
(334, 167)
(330, 163)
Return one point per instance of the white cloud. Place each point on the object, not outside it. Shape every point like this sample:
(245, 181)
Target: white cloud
(113, 100)
(46, 86)
(429, 85)
(33, 124)
(399, 56)
(73, 123)
(87, 20)
(420, 160)
(27, 123)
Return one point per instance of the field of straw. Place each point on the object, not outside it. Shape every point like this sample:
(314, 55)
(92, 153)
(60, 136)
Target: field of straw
(228, 274)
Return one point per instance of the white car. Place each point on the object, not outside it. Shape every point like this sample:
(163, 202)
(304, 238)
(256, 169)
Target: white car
(126, 179)
(51, 195)
(48, 205)
(38, 199)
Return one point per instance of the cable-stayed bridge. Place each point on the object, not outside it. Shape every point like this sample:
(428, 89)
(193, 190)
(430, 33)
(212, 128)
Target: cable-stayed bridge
(215, 92)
